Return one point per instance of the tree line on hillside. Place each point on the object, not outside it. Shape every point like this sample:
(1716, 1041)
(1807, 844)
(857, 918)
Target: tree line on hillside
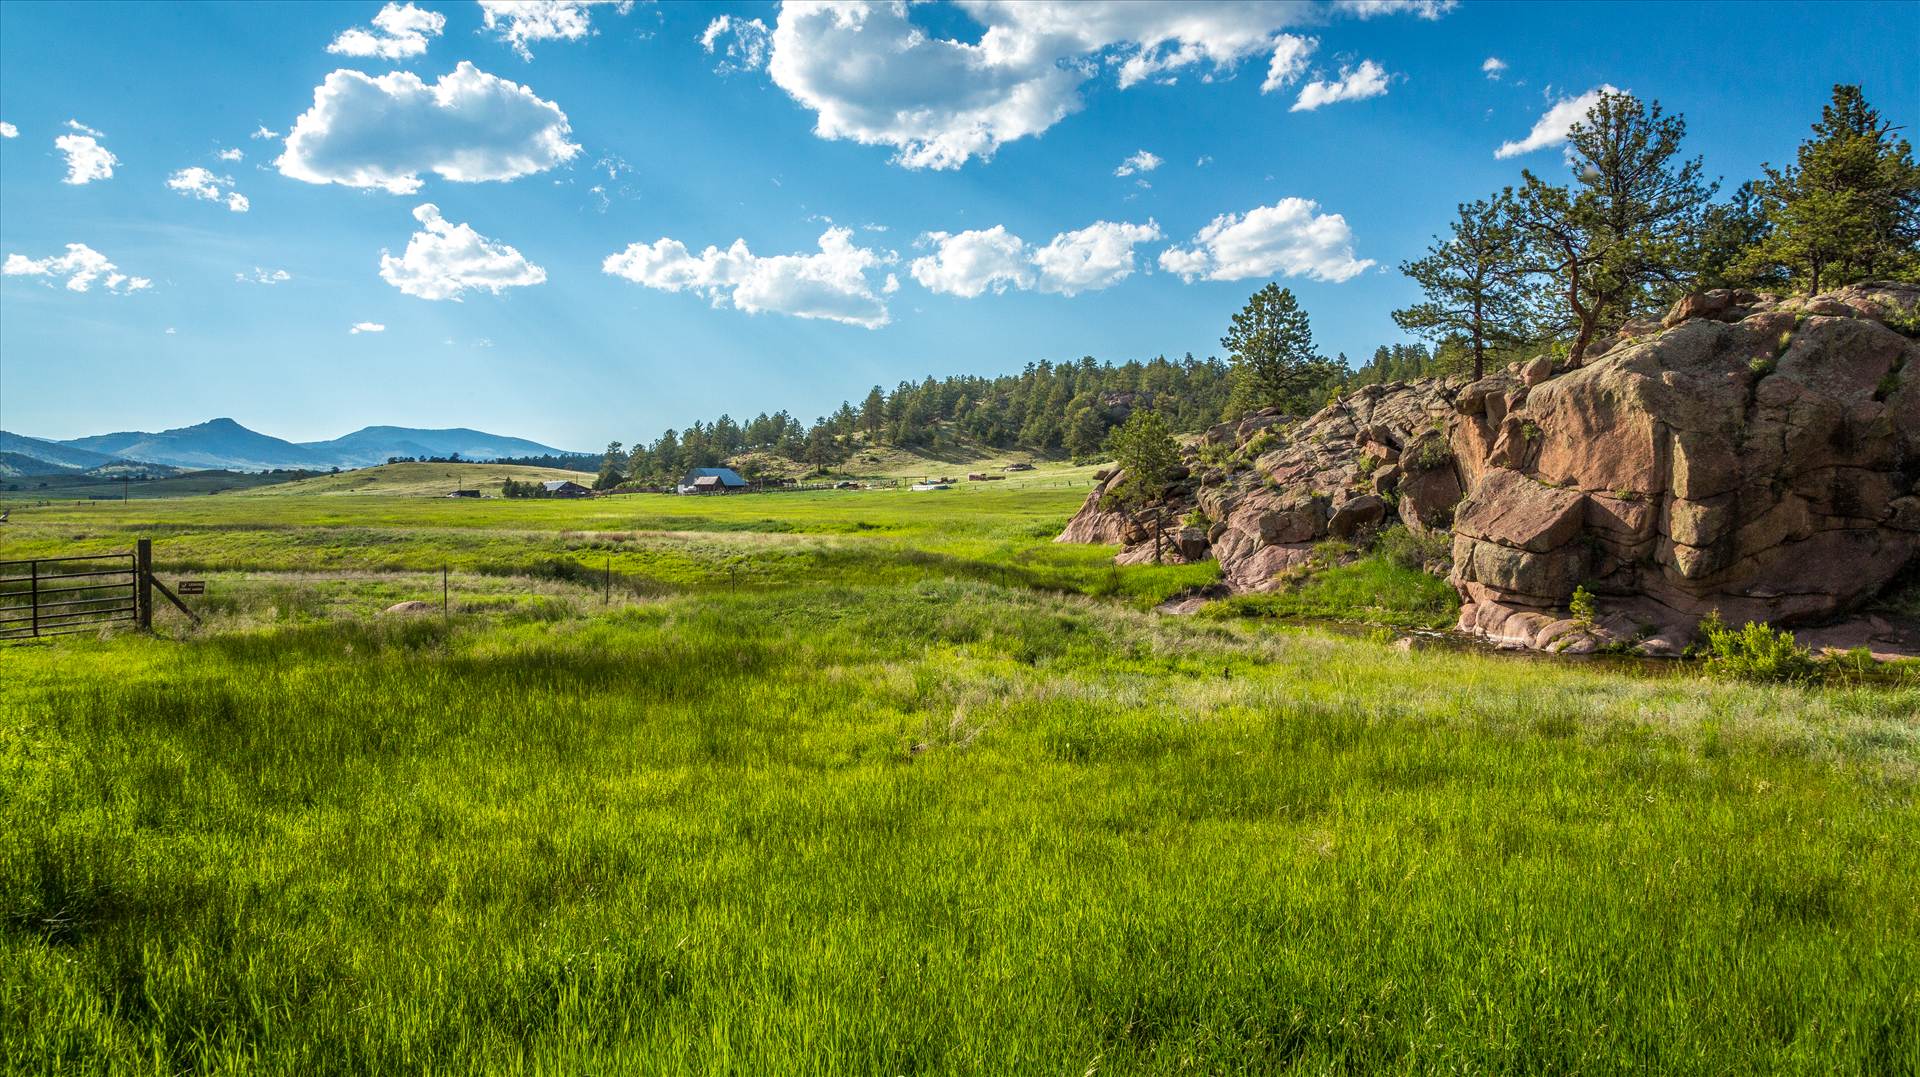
(1047, 408)
(1536, 267)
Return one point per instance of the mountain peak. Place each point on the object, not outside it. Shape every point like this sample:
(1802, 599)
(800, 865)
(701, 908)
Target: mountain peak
(224, 443)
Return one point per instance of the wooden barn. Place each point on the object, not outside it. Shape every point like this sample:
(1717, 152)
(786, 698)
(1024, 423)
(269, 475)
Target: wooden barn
(711, 480)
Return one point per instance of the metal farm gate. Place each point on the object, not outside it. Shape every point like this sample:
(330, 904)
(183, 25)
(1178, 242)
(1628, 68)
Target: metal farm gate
(57, 596)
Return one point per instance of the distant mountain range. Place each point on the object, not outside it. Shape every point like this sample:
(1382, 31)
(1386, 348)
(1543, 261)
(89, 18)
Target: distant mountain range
(226, 445)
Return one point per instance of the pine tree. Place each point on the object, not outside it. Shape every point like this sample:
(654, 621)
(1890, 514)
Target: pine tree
(610, 474)
(1849, 207)
(1621, 238)
(1271, 347)
(1730, 232)
(1144, 448)
(1474, 282)
(1086, 427)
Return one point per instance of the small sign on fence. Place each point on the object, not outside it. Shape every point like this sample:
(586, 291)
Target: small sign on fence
(192, 587)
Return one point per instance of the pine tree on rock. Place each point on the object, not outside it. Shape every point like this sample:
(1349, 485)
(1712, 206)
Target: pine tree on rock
(1848, 209)
(1620, 240)
(1474, 281)
(1144, 449)
(1270, 346)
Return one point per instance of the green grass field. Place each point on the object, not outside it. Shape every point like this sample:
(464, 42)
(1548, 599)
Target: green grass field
(882, 782)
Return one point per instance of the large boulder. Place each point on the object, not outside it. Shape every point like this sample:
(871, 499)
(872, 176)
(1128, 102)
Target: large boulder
(1751, 459)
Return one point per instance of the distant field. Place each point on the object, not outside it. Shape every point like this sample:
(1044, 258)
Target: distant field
(80, 487)
(427, 480)
(885, 782)
(651, 544)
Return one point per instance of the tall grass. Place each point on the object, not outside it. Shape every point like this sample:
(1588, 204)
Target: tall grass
(938, 825)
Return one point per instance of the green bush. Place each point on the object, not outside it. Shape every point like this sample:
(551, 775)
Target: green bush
(1582, 607)
(1401, 546)
(1756, 652)
(1330, 552)
(1263, 442)
(1433, 455)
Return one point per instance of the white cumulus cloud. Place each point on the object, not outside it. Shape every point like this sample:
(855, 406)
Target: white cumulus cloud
(1551, 128)
(519, 22)
(384, 132)
(1354, 84)
(741, 43)
(1290, 238)
(444, 259)
(87, 159)
(231, 155)
(399, 30)
(367, 327)
(1289, 61)
(1089, 259)
(263, 276)
(8, 130)
(1492, 67)
(202, 184)
(872, 74)
(970, 263)
(831, 284)
(1141, 161)
(81, 266)
(263, 131)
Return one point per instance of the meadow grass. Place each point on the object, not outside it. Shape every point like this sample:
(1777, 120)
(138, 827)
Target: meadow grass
(651, 544)
(1374, 589)
(909, 805)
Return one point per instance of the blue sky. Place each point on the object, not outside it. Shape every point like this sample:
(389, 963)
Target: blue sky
(523, 207)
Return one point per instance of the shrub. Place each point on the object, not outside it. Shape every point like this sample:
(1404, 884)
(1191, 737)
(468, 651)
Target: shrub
(1264, 441)
(1582, 607)
(1330, 552)
(1433, 455)
(1401, 546)
(1756, 652)
(1198, 519)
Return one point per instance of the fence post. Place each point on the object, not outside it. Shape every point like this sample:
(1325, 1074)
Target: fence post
(33, 571)
(143, 584)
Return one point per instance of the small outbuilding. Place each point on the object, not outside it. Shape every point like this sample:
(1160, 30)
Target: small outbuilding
(711, 480)
(464, 493)
(565, 488)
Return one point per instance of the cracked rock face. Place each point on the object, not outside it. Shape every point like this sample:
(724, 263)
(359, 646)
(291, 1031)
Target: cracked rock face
(1746, 454)
(1757, 457)
(1271, 487)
